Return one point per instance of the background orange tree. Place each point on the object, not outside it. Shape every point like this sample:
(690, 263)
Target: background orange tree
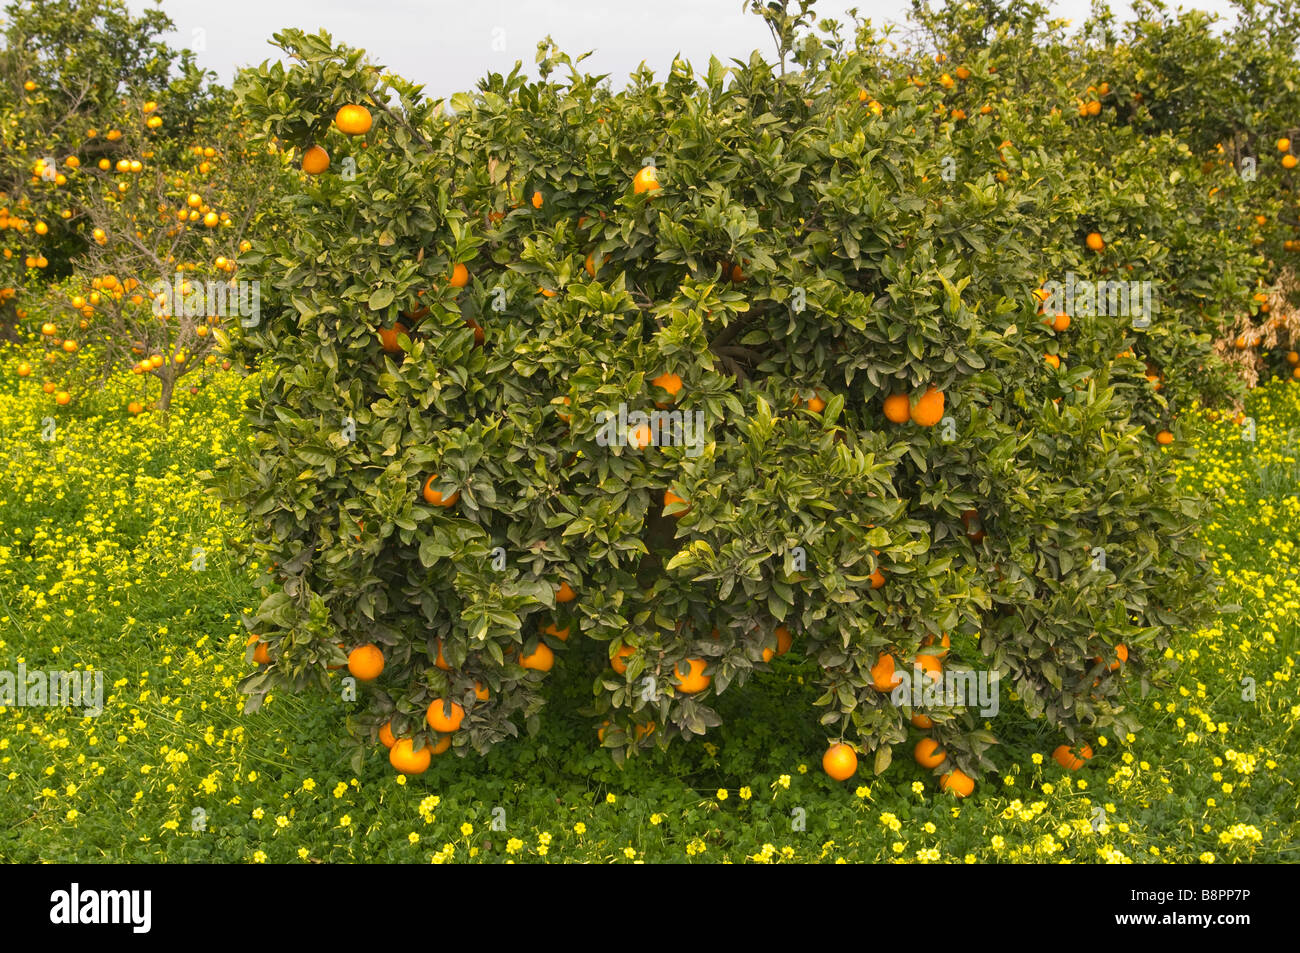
(66, 66)
(117, 148)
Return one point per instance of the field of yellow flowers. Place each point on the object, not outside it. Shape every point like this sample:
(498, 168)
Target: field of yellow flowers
(112, 558)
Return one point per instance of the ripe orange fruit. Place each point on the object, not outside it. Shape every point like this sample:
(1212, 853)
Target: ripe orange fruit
(898, 409)
(444, 716)
(459, 276)
(366, 662)
(1291, 358)
(388, 337)
(669, 499)
(261, 654)
(315, 160)
(840, 762)
(646, 180)
(816, 404)
(1094, 241)
(542, 659)
(883, 674)
(134, 407)
(479, 334)
(928, 754)
(1121, 656)
(1164, 438)
(668, 382)
(62, 398)
(1052, 360)
(25, 369)
(353, 120)
(877, 578)
(945, 642)
(928, 410)
(537, 199)
(1288, 161)
(784, 639)
(1067, 758)
(435, 498)
(481, 692)
(957, 783)
(693, 680)
(386, 736)
(924, 722)
(640, 437)
(617, 663)
(561, 634)
(1061, 322)
(403, 756)
(564, 593)
(441, 661)
(929, 664)
(589, 265)
(1284, 145)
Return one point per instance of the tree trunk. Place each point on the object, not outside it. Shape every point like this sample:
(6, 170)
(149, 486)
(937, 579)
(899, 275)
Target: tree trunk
(168, 385)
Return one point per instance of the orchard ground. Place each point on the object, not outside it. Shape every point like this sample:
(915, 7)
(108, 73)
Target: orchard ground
(99, 568)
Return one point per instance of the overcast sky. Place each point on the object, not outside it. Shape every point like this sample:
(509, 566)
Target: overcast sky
(448, 45)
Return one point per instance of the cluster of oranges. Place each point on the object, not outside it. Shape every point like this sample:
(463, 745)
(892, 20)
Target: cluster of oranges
(840, 761)
(1253, 336)
(351, 120)
(444, 717)
(1288, 157)
(924, 411)
(16, 223)
(196, 209)
(1090, 102)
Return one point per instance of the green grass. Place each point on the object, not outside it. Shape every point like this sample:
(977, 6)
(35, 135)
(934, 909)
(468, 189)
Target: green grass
(96, 535)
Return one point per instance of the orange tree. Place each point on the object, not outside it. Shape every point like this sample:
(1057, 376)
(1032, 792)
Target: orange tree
(66, 66)
(127, 180)
(875, 465)
(1144, 227)
(1229, 94)
(167, 222)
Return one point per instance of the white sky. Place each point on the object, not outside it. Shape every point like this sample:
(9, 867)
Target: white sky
(448, 45)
